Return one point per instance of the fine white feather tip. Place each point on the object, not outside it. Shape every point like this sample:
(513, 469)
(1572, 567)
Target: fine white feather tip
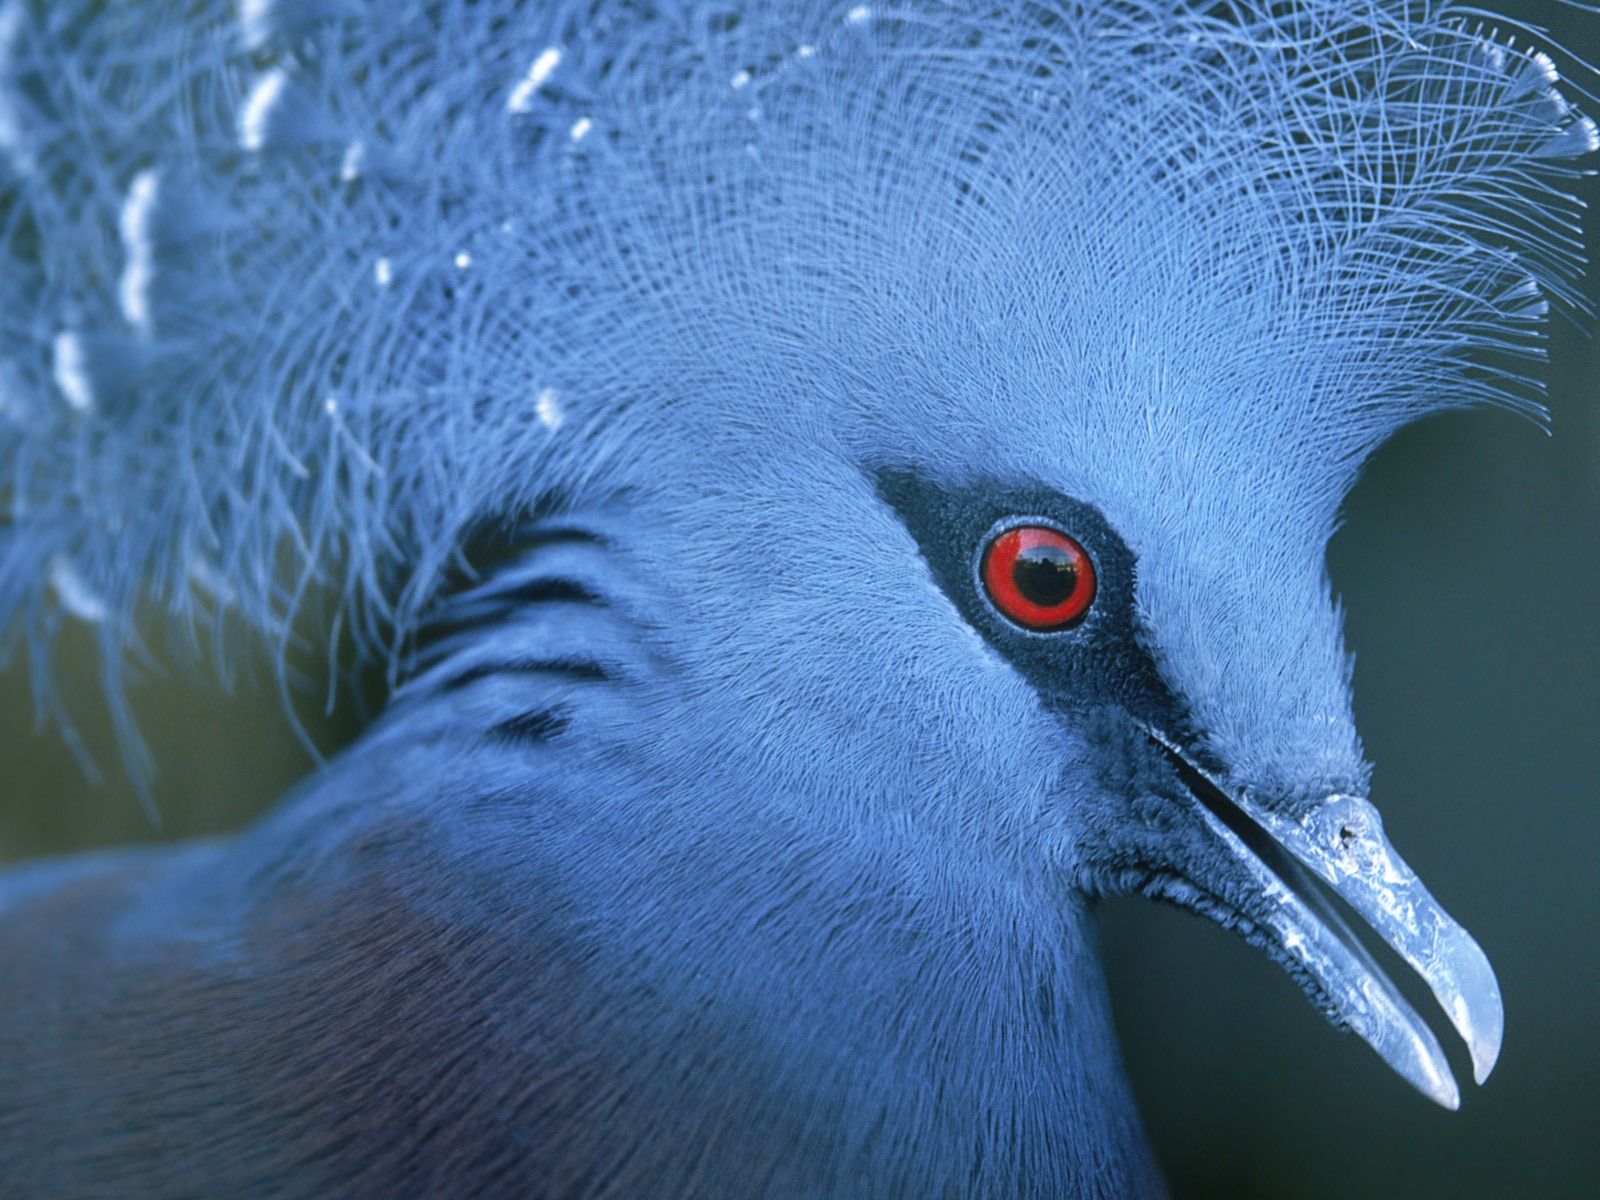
(1578, 139)
(74, 592)
(70, 369)
(548, 409)
(137, 206)
(355, 158)
(256, 113)
(255, 22)
(138, 243)
(1541, 70)
(521, 98)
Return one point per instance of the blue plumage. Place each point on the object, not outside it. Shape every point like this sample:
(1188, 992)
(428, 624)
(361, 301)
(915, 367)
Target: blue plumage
(317, 288)
(722, 836)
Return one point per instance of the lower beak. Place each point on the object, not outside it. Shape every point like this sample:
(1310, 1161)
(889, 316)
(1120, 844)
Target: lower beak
(1340, 841)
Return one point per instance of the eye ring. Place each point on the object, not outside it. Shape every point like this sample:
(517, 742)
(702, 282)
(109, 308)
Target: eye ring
(1037, 577)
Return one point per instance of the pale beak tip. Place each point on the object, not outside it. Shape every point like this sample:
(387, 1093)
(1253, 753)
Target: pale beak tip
(1452, 1098)
(1477, 1011)
(1485, 1047)
(1485, 1052)
(1427, 1070)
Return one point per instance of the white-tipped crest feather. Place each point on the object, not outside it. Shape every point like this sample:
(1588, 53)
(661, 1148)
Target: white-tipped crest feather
(1373, 197)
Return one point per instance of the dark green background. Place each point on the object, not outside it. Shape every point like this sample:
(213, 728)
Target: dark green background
(1470, 569)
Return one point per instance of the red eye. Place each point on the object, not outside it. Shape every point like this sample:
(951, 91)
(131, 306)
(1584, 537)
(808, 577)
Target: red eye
(1039, 578)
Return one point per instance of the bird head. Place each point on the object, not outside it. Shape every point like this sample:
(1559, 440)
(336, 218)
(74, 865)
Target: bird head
(970, 395)
(1011, 424)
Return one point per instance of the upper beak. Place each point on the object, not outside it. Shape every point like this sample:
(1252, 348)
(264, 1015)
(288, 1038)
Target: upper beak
(1340, 841)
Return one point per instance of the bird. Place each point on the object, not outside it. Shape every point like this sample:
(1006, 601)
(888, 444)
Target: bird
(832, 492)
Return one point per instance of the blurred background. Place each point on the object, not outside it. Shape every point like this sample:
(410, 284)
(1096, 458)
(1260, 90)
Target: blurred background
(1469, 565)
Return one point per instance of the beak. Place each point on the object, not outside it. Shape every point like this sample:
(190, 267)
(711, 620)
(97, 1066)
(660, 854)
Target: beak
(1340, 842)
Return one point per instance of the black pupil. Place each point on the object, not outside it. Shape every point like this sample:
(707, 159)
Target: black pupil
(1044, 575)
